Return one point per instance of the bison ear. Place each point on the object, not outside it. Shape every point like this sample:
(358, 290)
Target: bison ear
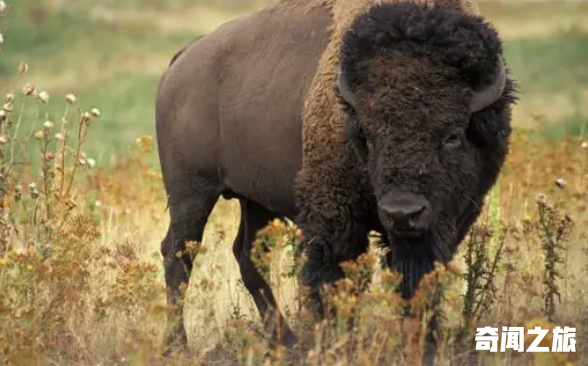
(356, 137)
(490, 128)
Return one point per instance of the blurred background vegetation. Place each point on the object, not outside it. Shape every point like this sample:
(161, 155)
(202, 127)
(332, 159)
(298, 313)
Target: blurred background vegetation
(111, 54)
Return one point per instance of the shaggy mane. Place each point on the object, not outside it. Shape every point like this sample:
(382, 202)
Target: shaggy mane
(445, 36)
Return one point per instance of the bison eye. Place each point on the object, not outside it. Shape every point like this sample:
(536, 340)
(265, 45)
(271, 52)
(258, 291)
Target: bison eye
(453, 139)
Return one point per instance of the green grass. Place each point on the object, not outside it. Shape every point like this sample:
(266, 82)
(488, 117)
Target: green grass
(516, 10)
(574, 125)
(556, 64)
(552, 78)
(114, 64)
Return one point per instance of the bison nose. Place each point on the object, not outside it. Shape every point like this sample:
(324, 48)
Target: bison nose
(406, 214)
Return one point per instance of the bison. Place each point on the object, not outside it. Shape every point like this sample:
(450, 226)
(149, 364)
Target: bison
(396, 122)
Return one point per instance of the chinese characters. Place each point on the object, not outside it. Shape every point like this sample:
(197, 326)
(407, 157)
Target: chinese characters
(564, 340)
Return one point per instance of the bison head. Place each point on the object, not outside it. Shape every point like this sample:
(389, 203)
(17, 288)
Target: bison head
(427, 100)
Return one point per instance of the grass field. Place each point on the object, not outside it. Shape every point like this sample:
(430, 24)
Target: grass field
(112, 53)
(81, 278)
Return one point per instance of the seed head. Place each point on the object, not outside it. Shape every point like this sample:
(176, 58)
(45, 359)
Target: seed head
(95, 112)
(28, 90)
(9, 98)
(8, 107)
(560, 183)
(70, 98)
(59, 136)
(48, 124)
(48, 156)
(33, 186)
(1, 39)
(2, 114)
(23, 67)
(2, 140)
(2, 6)
(584, 145)
(85, 117)
(541, 198)
(91, 163)
(40, 134)
(43, 97)
(18, 188)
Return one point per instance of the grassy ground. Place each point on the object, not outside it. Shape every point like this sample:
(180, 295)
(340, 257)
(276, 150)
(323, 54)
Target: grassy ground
(89, 290)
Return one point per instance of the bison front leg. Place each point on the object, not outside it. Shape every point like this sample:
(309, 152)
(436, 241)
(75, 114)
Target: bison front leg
(320, 269)
(327, 246)
(254, 218)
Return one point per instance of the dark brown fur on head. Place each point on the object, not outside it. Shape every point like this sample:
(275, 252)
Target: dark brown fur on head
(413, 70)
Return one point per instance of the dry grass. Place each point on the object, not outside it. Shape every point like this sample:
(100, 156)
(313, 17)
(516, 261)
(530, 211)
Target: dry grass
(82, 284)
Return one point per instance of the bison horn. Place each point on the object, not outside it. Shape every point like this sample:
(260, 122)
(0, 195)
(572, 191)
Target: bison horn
(345, 91)
(487, 95)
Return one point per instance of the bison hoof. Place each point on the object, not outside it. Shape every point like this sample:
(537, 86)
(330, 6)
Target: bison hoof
(287, 339)
(176, 343)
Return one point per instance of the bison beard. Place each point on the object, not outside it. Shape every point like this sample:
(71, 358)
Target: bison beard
(413, 262)
(414, 258)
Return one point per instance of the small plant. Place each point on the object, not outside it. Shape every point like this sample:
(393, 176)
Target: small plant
(275, 236)
(483, 255)
(44, 271)
(554, 229)
(481, 272)
(51, 257)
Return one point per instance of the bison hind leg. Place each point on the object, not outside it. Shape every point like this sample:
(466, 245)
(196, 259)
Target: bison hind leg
(189, 211)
